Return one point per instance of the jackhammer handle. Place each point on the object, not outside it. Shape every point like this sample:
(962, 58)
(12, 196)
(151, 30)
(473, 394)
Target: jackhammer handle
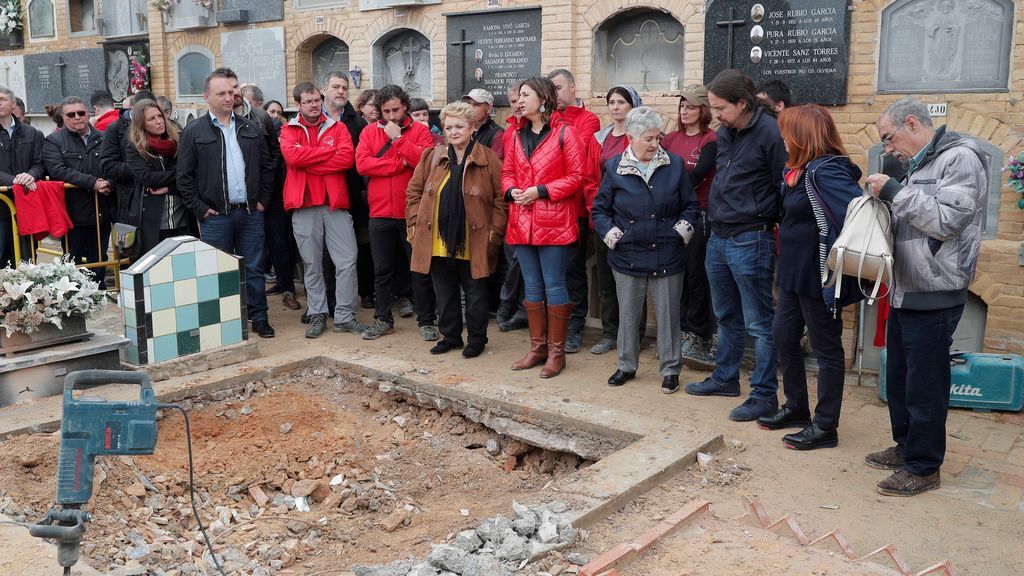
(100, 377)
(61, 533)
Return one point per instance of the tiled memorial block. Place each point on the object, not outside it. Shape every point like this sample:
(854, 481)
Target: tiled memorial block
(182, 297)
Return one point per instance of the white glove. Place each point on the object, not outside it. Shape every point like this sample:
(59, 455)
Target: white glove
(612, 237)
(685, 231)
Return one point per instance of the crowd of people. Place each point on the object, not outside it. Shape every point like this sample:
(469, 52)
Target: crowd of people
(725, 231)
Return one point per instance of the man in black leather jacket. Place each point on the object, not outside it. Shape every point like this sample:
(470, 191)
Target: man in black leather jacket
(21, 162)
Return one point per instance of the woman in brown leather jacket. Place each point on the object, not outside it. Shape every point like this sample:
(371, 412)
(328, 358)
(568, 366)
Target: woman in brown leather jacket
(456, 218)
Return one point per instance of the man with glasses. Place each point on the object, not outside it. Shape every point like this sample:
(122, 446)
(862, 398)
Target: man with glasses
(937, 214)
(318, 153)
(72, 155)
(21, 162)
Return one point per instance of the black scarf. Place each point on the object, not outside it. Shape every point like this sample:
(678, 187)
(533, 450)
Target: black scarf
(451, 213)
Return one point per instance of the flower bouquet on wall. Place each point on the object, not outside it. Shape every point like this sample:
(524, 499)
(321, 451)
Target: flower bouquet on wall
(11, 25)
(1016, 181)
(138, 70)
(45, 304)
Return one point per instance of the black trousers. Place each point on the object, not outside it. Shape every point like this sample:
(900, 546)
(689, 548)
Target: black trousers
(449, 275)
(695, 312)
(917, 383)
(576, 277)
(83, 248)
(281, 249)
(792, 313)
(512, 291)
(391, 254)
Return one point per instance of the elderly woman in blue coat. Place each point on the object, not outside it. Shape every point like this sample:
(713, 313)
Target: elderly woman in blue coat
(643, 211)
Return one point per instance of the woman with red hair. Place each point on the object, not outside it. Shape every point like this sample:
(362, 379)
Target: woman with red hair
(820, 181)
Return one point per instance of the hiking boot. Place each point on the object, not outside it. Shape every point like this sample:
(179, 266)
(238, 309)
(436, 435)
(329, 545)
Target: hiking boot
(698, 354)
(428, 333)
(686, 342)
(378, 329)
(317, 325)
(711, 387)
(752, 409)
(903, 482)
(290, 302)
(405, 308)
(603, 346)
(888, 459)
(353, 326)
(573, 342)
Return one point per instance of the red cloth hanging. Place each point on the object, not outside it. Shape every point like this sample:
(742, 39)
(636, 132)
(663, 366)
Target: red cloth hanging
(41, 212)
(883, 318)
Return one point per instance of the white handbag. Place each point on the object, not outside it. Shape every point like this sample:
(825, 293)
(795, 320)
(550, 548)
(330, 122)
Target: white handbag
(864, 248)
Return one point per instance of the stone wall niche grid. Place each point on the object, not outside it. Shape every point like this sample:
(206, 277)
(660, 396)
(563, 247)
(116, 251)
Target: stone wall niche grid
(125, 18)
(402, 57)
(41, 19)
(331, 55)
(945, 46)
(82, 17)
(642, 47)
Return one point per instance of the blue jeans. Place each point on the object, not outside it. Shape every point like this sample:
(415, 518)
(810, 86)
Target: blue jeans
(918, 380)
(740, 271)
(544, 273)
(241, 233)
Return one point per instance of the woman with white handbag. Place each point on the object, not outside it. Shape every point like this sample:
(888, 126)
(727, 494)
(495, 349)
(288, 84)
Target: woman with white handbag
(820, 181)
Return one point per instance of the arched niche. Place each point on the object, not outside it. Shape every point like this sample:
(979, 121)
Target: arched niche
(642, 47)
(191, 67)
(945, 46)
(402, 57)
(41, 19)
(320, 55)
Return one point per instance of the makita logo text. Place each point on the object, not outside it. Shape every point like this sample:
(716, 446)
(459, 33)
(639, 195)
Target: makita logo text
(964, 390)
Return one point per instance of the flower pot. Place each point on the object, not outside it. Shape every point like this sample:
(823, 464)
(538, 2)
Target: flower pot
(47, 335)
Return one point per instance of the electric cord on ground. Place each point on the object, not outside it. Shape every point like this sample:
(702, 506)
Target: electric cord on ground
(25, 525)
(191, 485)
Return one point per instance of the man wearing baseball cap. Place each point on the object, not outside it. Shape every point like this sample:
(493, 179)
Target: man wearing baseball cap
(488, 132)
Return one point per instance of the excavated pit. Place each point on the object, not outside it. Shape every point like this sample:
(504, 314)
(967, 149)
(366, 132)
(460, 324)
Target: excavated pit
(385, 470)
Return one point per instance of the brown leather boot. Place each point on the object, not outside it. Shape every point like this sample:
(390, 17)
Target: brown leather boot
(558, 325)
(537, 316)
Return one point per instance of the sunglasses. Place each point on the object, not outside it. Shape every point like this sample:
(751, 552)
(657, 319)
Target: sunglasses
(79, 114)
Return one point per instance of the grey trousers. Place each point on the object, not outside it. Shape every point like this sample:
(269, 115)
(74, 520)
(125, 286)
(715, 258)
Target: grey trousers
(314, 228)
(665, 295)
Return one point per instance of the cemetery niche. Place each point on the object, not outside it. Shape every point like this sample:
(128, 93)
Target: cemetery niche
(329, 56)
(643, 48)
(52, 76)
(41, 19)
(125, 18)
(803, 43)
(193, 64)
(945, 46)
(492, 50)
(402, 57)
(257, 55)
(82, 17)
(127, 69)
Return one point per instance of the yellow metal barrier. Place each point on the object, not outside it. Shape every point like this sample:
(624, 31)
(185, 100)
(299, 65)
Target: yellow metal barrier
(116, 262)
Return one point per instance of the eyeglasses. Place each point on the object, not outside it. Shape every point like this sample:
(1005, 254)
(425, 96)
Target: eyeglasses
(310, 102)
(887, 139)
(79, 114)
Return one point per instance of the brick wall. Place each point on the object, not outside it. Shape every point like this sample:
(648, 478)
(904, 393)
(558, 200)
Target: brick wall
(567, 34)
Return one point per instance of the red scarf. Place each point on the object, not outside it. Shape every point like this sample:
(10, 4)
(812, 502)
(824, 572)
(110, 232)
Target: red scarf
(162, 145)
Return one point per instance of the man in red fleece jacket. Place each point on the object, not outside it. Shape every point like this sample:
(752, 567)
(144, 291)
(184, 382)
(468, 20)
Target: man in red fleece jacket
(387, 154)
(585, 123)
(318, 154)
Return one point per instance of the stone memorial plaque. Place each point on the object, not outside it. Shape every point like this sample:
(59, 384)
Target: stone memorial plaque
(403, 58)
(803, 43)
(946, 46)
(127, 69)
(52, 76)
(257, 56)
(41, 19)
(256, 10)
(193, 69)
(642, 48)
(12, 74)
(125, 18)
(491, 50)
(330, 56)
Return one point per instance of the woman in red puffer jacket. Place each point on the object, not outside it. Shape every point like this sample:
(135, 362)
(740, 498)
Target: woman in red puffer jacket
(542, 178)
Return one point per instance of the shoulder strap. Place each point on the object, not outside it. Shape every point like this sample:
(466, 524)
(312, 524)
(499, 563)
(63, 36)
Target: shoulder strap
(812, 187)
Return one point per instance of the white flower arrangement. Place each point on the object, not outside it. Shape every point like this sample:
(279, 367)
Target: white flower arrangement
(33, 294)
(10, 16)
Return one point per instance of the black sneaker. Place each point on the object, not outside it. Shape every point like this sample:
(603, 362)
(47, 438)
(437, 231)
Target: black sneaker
(752, 409)
(317, 325)
(263, 328)
(712, 387)
(670, 384)
(573, 342)
(515, 323)
(888, 459)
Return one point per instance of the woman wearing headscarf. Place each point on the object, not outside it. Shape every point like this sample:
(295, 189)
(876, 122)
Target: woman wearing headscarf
(612, 140)
(456, 218)
(820, 181)
(696, 143)
(542, 175)
(643, 213)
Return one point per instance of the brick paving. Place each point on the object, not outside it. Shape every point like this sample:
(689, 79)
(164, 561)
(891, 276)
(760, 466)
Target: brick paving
(985, 459)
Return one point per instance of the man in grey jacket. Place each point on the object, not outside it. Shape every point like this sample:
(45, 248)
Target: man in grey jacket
(937, 213)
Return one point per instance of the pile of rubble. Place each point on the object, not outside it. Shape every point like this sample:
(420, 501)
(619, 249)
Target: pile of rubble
(499, 546)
